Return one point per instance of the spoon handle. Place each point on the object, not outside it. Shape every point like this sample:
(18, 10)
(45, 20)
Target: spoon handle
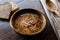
(57, 13)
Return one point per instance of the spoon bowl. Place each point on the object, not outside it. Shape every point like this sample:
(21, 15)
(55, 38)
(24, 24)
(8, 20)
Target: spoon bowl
(52, 7)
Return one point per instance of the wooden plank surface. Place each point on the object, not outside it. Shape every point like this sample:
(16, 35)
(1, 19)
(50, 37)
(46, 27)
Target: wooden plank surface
(6, 33)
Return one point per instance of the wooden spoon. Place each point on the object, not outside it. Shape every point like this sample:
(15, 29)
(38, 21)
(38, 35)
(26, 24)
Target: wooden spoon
(52, 7)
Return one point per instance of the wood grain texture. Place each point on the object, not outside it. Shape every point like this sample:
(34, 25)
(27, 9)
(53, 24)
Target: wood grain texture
(6, 33)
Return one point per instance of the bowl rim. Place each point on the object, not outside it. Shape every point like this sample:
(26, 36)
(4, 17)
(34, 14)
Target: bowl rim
(43, 26)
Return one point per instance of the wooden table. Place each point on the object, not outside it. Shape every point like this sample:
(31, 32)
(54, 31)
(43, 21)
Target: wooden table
(6, 33)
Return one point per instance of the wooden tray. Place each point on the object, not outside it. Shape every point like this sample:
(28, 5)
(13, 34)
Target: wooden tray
(51, 17)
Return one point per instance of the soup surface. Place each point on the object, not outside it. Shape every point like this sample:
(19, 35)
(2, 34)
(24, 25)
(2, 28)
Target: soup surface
(28, 23)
